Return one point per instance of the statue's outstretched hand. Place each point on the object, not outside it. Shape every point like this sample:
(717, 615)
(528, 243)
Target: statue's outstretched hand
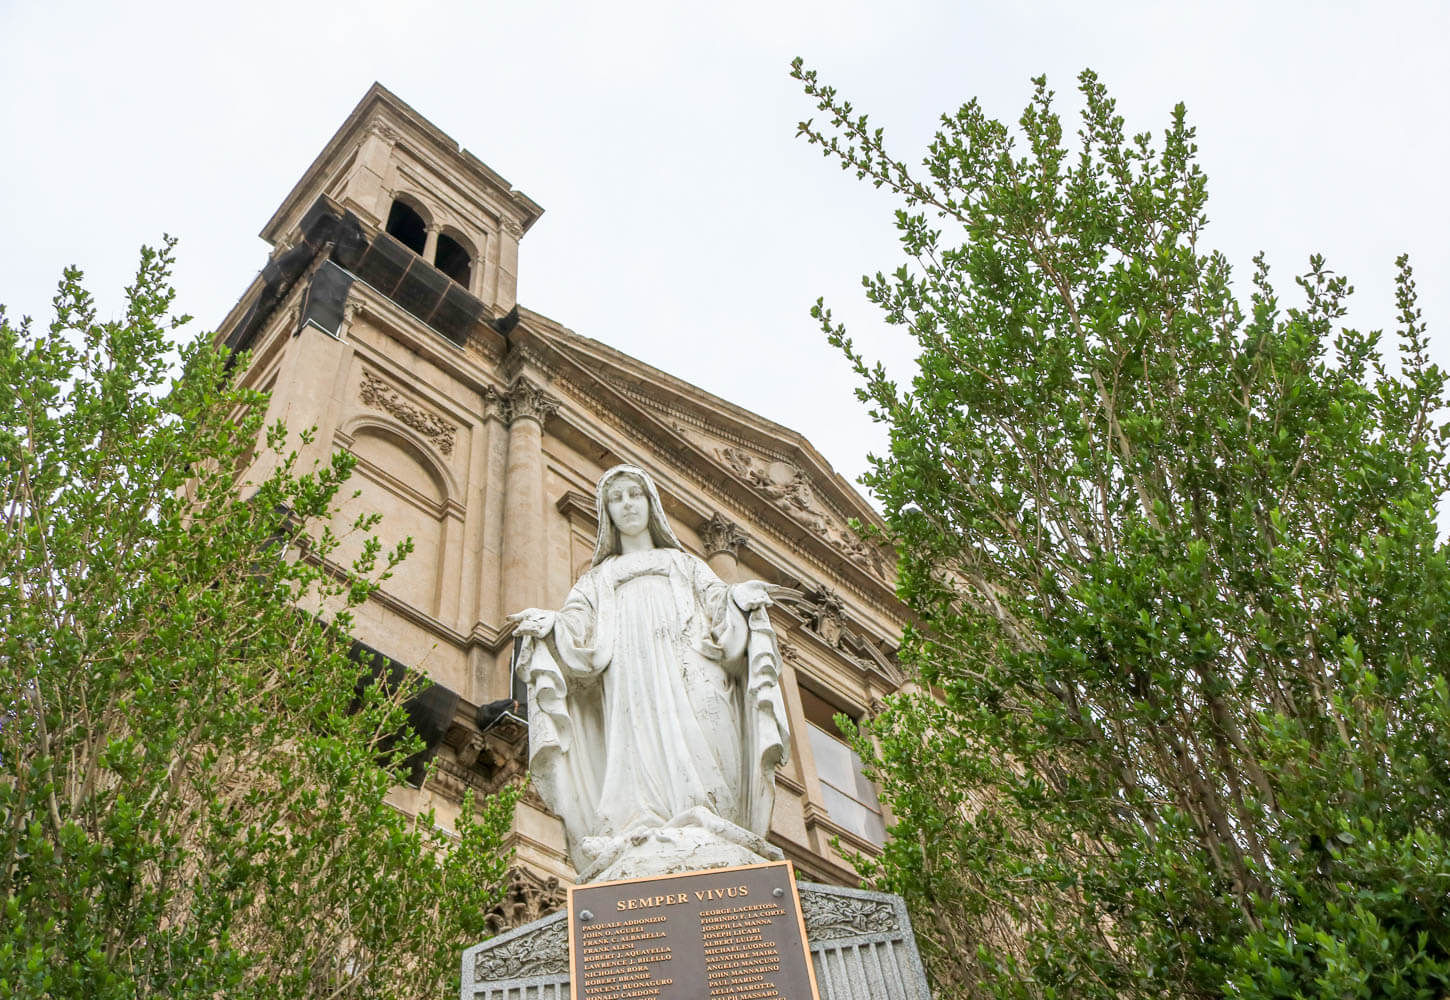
(752, 594)
(534, 622)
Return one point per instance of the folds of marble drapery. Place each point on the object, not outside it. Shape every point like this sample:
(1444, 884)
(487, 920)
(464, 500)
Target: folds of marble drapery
(655, 703)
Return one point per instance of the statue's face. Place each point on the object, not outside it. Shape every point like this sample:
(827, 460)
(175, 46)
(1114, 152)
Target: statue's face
(628, 504)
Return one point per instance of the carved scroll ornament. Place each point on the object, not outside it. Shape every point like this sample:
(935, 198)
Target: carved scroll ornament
(544, 952)
(380, 396)
(828, 916)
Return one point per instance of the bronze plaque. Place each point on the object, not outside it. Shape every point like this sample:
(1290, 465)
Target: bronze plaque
(722, 934)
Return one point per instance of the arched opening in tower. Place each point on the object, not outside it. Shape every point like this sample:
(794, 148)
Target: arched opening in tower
(407, 227)
(452, 259)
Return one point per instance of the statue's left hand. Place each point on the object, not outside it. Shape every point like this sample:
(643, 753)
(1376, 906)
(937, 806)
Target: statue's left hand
(751, 594)
(534, 622)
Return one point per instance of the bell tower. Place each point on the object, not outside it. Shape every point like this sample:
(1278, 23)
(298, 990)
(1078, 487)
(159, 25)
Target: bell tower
(381, 322)
(395, 172)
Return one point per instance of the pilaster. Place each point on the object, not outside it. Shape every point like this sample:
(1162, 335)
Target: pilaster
(506, 278)
(524, 408)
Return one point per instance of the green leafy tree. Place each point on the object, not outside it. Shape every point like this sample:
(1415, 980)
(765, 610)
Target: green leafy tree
(1184, 613)
(192, 779)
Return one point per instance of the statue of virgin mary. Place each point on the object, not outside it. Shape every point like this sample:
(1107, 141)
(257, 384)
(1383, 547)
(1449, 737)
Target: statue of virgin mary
(655, 713)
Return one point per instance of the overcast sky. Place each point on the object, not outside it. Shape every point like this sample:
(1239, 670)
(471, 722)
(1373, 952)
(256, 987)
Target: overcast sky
(684, 224)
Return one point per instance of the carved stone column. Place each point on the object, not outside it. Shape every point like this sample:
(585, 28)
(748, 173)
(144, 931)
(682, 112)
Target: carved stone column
(524, 408)
(723, 540)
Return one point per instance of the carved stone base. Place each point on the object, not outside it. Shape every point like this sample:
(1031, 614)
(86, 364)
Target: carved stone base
(692, 842)
(861, 946)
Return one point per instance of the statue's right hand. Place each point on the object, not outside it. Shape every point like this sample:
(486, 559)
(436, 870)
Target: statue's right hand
(534, 622)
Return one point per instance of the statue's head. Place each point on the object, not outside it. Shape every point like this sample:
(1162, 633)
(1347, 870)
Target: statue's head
(619, 479)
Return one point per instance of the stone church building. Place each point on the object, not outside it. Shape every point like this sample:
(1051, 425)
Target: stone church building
(386, 318)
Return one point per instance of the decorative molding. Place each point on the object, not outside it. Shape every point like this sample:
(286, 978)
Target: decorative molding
(830, 917)
(687, 418)
(792, 492)
(453, 780)
(523, 355)
(490, 348)
(722, 535)
(542, 952)
(349, 316)
(511, 228)
(527, 897)
(375, 392)
(866, 653)
(523, 400)
(468, 753)
(825, 614)
(480, 762)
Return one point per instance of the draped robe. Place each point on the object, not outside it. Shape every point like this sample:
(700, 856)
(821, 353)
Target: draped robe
(655, 702)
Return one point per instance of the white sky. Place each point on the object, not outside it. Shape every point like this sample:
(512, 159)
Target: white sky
(684, 224)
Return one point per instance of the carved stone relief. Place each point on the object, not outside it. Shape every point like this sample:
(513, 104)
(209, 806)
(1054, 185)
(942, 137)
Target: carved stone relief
(527, 897)
(825, 614)
(792, 492)
(544, 952)
(480, 762)
(380, 396)
(828, 916)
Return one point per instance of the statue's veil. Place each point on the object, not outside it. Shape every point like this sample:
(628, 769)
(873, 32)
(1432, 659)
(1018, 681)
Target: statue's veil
(606, 544)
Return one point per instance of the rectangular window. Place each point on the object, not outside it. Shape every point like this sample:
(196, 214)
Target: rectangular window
(849, 797)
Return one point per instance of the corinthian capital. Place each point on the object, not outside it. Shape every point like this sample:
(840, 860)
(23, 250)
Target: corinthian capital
(721, 535)
(523, 401)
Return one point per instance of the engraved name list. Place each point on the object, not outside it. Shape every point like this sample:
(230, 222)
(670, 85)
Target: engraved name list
(725, 934)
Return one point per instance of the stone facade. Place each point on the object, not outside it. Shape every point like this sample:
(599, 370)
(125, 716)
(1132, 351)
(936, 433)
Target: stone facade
(480, 428)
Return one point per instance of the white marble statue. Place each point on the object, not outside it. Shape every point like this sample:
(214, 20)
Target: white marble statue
(655, 714)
